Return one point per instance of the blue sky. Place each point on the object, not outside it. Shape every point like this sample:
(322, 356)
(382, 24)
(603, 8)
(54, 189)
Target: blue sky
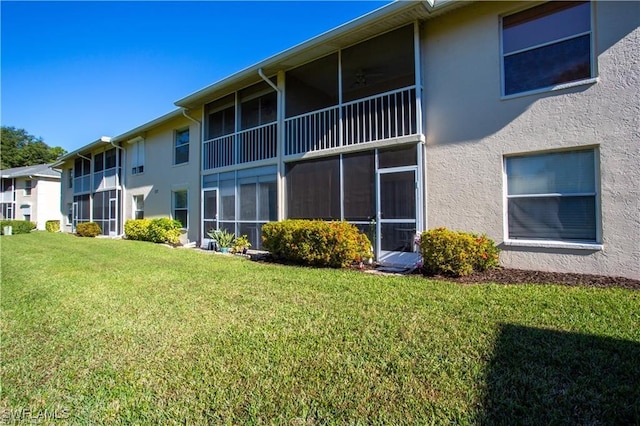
(74, 71)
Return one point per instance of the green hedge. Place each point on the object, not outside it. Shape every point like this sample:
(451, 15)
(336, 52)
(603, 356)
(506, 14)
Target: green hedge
(136, 229)
(455, 253)
(88, 229)
(160, 230)
(52, 225)
(18, 226)
(316, 242)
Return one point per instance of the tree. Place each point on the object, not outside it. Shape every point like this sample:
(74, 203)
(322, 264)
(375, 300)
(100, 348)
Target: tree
(20, 149)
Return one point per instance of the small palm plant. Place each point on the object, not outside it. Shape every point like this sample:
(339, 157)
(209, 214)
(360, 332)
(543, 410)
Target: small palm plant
(223, 238)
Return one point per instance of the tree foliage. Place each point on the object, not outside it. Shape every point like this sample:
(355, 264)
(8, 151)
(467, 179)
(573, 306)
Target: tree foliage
(20, 149)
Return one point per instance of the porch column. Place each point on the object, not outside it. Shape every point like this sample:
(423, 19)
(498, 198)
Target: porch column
(280, 182)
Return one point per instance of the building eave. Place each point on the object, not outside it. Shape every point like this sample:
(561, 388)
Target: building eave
(140, 130)
(369, 25)
(86, 149)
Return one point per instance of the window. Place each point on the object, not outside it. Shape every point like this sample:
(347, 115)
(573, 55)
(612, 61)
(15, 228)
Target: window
(546, 46)
(138, 206)
(82, 175)
(552, 196)
(70, 178)
(180, 207)
(313, 189)
(7, 211)
(104, 170)
(358, 186)
(137, 157)
(27, 187)
(258, 105)
(181, 154)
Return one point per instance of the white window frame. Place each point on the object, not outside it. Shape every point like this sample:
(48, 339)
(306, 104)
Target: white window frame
(593, 57)
(176, 133)
(137, 156)
(174, 208)
(28, 187)
(134, 206)
(555, 244)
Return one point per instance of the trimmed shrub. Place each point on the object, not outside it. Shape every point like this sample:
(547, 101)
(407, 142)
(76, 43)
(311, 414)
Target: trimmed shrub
(88, 229)
(316, 242)
(164, 230)
(454, 253)
(487, 255)
(18, 226)
(52, 225)
(137, 229)
(160, 230)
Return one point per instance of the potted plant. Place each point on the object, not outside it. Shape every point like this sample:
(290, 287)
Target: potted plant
(241, 244)
(223, 238)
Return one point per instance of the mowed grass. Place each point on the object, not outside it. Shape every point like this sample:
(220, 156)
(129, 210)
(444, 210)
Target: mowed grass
(110, 331)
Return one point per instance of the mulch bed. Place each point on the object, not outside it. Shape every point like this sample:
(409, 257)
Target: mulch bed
(519, 276)
(513, 276)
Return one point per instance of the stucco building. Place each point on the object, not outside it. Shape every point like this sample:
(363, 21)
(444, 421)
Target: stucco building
(516, 119)
(30, 193)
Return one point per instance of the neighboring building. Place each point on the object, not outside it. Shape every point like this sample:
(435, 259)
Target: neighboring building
(517, 119)
(151, 171)
(30, 193)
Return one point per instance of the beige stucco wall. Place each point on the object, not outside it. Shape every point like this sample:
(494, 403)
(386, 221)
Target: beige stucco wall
(47, 201)
(160, 177)
(469, 129)
(24, 200)
(66, 196)
(44, 200)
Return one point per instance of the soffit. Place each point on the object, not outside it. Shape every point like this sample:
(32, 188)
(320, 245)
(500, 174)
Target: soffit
(370, 25)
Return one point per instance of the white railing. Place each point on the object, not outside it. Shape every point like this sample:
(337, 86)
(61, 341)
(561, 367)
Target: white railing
(258, 143)
(385, 116)
(6, 196)
(218, 152)
(313, 131)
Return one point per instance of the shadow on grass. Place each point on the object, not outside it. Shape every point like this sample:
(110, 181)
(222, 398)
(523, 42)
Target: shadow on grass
(542, 376)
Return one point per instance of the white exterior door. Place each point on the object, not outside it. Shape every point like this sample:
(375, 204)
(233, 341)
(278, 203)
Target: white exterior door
(113, 217)
(209, 212)
(74, 216)
(397, 223)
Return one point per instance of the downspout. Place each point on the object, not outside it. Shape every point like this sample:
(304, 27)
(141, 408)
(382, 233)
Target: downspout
(280, 144)
(123, 185)
(199, 191)
(264, 77)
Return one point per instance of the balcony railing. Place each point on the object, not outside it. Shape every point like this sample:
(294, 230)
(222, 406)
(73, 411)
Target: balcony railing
(314, 131)
(258, 143)
(6, 196)
(385, 116)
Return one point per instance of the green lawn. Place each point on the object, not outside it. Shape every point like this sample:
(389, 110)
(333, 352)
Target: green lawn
(103, 331)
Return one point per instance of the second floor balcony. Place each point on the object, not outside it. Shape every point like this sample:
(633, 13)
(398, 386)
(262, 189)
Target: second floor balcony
(364, 93)
(375, 118)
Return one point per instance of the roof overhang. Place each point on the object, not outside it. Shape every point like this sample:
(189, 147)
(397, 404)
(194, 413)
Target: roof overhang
(86, 149)
(140, 130)
(384, 19)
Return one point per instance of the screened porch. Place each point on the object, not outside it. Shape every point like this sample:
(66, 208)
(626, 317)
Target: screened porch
(357, 95)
